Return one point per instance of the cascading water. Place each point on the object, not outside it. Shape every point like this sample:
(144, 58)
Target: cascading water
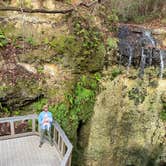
(150, 57)
(130, 58)
(126, 50)
(161, 64)
(143, 62)
(148, 36)
(139, 48)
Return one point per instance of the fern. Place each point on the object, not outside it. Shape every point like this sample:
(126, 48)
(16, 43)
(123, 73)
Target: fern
(3, 39)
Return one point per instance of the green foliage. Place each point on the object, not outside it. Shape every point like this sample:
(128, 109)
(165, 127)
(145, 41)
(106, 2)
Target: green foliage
(84, 45)
(115, 72)
(3, 39)
(78, 105)
(3, 88)
(31, 40)
(37, 106)
(81, 101)
(40, 69)
(4, 111)
(66, 45)
(109, 17)
(89, 36)
(112, 43)
(137, 94)
(163, 115)
(17, 112)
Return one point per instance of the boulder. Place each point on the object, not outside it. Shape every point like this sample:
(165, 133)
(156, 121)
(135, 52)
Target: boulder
(122, 133)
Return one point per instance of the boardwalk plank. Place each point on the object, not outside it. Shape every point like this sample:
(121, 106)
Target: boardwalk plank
(25, 152)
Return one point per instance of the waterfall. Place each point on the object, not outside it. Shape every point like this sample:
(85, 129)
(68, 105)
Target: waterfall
(130, 58)
(148, 35)
(143, 62)
(150, 57)
(127, 50)
(161, 64)
(138, 47)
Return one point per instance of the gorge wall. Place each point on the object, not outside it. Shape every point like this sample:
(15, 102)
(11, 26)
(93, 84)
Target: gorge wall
(110, 101)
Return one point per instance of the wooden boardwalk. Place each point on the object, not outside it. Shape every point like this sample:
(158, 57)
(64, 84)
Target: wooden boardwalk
(25, 151)
(22, 149)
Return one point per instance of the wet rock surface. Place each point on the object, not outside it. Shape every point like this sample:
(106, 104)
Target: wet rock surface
(139, 48)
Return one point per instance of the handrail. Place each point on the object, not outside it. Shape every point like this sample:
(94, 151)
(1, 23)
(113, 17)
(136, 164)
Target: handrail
(11, 120)
(59, 137)
(67, 157)
(17, 118)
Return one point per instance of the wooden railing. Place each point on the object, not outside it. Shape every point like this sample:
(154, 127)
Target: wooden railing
(63, 144)
(12, 120)
(60, 139)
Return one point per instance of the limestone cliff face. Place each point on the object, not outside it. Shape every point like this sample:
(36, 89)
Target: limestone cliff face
(27, 71)
(121, 132)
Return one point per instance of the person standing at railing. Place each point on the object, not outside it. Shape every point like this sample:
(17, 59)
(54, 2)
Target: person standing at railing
(45, 120)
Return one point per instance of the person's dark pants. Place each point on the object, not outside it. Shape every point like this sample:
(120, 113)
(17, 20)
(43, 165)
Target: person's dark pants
(43, 134)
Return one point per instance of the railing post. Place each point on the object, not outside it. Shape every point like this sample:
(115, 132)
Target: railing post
(33, 125)
(63, 148)
(69, 162)
(54, 134)
(12, 128)
(59, 141)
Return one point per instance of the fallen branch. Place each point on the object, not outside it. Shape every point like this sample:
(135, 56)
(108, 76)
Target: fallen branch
(27, 10)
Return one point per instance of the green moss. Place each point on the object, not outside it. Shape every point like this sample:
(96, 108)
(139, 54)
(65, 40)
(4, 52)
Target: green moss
(115, 72)
(66, 45)
(84, 46)
(31, 40)
(37, 106)
(4, 111)
(92, 51)
(163, 115)
(3, 39)
(9, 30)
(137, 94)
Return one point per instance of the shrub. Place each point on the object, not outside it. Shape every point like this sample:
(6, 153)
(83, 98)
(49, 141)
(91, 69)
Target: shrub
(163, 115)
(115, 72)
(137, 94)
(3, 39)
